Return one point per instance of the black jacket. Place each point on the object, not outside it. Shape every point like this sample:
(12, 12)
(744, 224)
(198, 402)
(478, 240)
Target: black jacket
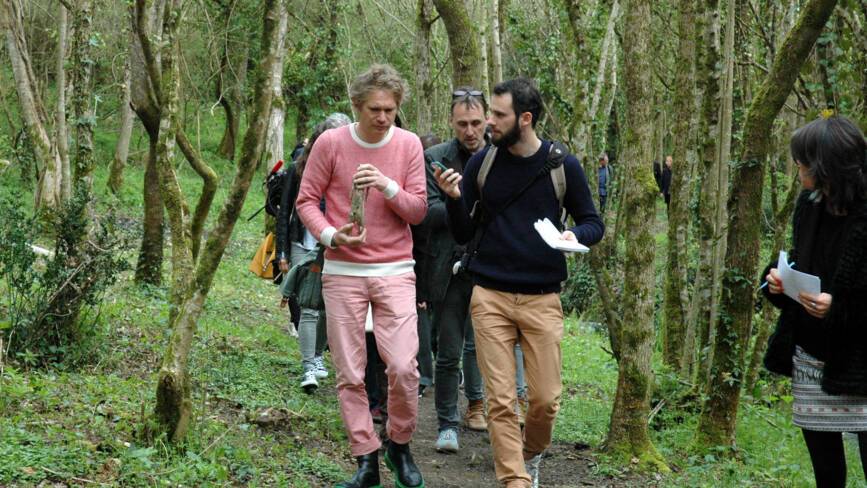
(846, 321)
(438, 248)
(289, 226)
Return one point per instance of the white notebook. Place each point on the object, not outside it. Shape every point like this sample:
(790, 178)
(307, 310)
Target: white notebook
(795, 281)
(554, 238)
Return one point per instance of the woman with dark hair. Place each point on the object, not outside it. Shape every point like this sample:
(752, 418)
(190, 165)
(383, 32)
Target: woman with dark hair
(293, 243)
(821, 340)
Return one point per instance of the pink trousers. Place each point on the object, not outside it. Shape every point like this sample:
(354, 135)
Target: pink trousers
(395, 327)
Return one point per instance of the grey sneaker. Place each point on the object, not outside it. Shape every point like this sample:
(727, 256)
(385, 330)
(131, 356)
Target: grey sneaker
(319, 368)
(532, 466)
(447, 441)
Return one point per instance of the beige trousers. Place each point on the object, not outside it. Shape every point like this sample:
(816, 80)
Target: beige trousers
(500, 320)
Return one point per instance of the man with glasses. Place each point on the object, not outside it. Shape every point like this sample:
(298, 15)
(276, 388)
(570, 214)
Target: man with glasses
(449, 287)
(516, 275)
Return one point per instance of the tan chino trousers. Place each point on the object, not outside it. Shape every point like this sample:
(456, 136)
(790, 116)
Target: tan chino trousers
(500, 320)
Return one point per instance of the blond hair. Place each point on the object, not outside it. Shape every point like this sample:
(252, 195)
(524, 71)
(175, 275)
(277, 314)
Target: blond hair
(378, 77)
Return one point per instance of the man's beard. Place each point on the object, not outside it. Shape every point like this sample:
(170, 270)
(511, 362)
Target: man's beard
(508, 139)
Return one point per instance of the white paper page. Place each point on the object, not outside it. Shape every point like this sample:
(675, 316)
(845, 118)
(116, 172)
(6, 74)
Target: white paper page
(554, 238)
(794, 281)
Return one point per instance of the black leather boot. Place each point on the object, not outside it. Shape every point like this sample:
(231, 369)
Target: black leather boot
(367, 475)
(399, 461)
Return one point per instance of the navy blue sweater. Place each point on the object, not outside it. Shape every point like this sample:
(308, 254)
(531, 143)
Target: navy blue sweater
(511, 256)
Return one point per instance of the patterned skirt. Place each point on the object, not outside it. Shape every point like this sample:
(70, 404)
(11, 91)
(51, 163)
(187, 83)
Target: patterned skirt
(813, 409)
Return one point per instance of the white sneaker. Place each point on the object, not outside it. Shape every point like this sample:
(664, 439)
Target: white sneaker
(532, 466)
(447, 441)
(308, 381)
(319, 368)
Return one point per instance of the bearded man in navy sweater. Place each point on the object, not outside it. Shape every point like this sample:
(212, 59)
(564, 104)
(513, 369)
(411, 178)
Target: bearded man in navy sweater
(516, 275)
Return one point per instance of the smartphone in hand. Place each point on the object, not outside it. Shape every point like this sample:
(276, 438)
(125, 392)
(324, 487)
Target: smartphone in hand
(437, 164)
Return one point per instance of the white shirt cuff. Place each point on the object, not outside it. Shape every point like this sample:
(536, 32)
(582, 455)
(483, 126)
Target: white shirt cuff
(390, 190)
(327, 236)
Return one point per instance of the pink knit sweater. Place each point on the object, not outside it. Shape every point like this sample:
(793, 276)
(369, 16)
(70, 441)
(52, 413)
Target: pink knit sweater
(387, 215)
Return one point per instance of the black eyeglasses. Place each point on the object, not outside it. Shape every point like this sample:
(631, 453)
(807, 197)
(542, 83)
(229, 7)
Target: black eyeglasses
(464, 93)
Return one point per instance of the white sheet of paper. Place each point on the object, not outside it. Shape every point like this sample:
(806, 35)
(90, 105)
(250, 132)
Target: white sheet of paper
(795, 281)
(553, 237)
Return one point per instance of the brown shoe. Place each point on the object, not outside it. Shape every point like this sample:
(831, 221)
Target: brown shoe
(475, 418)
(521, 409)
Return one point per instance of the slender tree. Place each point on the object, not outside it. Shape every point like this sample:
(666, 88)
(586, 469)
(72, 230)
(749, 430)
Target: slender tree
(675, 298)
(708, 74)
(121, 150)
(718, 418)
(628, 437)
(82, 72)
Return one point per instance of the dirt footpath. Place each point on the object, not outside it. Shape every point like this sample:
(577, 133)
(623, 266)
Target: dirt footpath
(473, 466)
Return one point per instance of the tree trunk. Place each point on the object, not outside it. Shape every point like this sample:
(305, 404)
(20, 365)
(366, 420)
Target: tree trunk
(230, 80)
(121, 151)
(61, 133)
(484, 26)
(85, 119)
(628, 437)
(144, 101)
(675, 299)
(274, 139)
(49, 190)
(173, 405)
(709, 72)
(464, 48)
(496, 46)
(717, 422)
(423, 78)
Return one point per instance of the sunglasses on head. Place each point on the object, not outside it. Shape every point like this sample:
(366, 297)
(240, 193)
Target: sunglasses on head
(463, 93)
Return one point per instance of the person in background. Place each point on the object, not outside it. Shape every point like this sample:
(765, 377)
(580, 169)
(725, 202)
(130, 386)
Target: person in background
(450, 288)
(604, 175)
(294, 241)
(665, 181)
(821, 340)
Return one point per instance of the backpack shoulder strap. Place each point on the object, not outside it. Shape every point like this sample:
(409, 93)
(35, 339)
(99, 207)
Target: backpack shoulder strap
(487, 163)
(557, 155)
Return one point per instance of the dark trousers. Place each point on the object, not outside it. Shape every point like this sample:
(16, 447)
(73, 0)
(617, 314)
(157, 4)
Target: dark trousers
(375, 379)
(455, 328)
(602, 200)
(424, 358)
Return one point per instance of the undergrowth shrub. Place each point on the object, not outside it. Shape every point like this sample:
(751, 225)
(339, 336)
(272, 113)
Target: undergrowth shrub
(49, 308)
(579, 291)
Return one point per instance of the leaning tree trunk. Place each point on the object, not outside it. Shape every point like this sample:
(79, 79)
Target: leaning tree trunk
(423, 78)
(173, 405)
(464, 48)
(121, 151)
(146, 21)
(49, 189)
(675, 300)
(628, 438)
(85, 119)
(718, 418)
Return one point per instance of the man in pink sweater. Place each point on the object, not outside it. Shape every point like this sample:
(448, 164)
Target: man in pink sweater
(370, 265)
